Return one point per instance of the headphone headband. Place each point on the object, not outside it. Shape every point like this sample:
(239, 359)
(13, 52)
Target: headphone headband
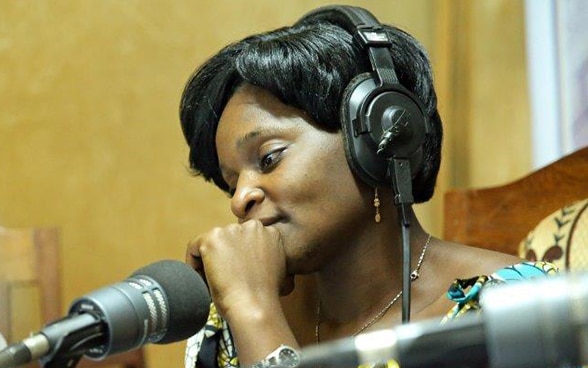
(367, 33)
(348, 17)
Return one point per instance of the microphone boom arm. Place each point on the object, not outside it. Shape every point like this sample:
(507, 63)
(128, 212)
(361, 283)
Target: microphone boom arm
(73, 338)
(60, 344)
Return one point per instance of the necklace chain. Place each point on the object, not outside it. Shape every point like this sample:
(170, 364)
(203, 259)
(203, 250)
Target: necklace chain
(413, 276)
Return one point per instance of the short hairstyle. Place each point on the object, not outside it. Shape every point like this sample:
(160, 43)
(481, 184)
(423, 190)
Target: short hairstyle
(306, 66)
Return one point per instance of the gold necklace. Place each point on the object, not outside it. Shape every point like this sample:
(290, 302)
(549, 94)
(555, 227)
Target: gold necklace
(413, 276)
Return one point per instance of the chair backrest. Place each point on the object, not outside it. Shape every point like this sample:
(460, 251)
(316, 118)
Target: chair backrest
(30, 289)
(500, 217)
(29, 259)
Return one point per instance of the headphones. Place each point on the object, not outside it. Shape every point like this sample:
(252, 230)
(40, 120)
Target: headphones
(384, 125)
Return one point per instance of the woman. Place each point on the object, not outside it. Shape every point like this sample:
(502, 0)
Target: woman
(262, 119)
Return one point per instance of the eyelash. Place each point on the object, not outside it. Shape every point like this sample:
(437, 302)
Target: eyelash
(265, 167)
(274, 157)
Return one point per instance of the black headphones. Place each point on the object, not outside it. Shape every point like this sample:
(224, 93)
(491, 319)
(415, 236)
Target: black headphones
(384, 124)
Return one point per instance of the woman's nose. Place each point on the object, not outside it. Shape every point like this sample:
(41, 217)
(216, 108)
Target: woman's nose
(246, 198)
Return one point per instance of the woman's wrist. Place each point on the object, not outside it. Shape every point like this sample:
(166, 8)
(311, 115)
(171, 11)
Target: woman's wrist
(248, 319)
(258, 309)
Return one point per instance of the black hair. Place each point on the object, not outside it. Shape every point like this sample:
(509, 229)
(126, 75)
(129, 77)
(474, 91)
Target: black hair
(306, 66)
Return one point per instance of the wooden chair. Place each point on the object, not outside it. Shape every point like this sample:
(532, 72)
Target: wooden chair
(30, 289)
(500, 217)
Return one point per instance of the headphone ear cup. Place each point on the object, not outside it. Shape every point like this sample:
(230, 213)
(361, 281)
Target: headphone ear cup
(360, 150)
(367, 114)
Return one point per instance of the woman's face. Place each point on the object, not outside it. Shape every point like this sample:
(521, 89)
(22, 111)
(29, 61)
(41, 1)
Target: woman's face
(291, 175)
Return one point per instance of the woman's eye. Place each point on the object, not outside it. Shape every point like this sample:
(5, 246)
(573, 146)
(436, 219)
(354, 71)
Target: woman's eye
(268, 160)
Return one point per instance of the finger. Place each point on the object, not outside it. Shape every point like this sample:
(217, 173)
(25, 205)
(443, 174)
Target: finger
(193, 255)
(194, 260)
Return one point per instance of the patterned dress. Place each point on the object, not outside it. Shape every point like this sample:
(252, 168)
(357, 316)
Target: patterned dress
(213, 345)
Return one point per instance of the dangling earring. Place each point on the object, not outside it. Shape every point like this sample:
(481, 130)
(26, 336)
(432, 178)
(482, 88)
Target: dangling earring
(377, 218)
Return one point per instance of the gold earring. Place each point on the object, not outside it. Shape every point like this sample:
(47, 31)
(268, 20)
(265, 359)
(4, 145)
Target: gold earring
(377, 218)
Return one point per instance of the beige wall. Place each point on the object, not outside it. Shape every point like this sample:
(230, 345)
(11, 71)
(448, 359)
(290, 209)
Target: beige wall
(90, 140)
(481, 69)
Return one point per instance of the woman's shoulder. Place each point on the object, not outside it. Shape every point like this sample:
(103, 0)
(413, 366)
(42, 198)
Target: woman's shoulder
(477, 261)
(449, 261)
(474, 262)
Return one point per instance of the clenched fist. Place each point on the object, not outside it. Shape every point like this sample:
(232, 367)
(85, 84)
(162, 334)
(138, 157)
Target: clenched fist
(242, 264)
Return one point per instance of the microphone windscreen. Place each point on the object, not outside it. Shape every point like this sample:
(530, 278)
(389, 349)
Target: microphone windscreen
(187, 295)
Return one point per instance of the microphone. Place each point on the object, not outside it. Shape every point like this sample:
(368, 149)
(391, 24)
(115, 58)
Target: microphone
(529, 324)
(161, 303)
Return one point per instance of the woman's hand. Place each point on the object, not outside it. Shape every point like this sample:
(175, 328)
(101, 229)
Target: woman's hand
(245, 268)
(243, 264)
